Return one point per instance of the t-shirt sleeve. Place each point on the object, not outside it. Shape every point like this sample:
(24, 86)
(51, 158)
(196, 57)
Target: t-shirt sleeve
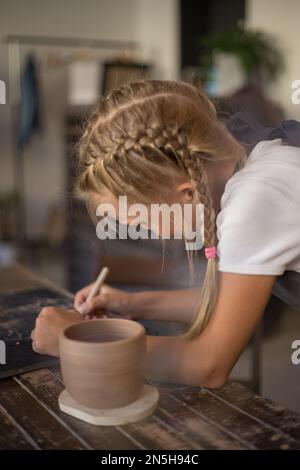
(258, 227)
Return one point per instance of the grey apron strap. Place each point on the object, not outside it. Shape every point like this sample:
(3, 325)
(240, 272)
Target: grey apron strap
(248, 131)
(287, 288)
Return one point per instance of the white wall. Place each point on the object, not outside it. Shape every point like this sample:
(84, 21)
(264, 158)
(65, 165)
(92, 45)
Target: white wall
(152, 23)
(281, 19)
(158, 27)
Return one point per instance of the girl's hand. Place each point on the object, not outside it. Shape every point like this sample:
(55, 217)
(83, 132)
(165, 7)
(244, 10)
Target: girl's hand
(109, 298)
(48, 327)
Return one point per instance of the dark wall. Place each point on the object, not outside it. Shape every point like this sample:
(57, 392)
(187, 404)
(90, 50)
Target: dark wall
(201, 17)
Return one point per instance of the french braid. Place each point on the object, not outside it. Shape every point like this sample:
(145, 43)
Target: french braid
(145, 130)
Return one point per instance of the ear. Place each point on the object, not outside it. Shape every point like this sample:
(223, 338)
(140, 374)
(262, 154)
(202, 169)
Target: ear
(186, 192)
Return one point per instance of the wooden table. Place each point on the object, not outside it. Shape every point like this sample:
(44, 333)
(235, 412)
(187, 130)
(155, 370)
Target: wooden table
(187, 417)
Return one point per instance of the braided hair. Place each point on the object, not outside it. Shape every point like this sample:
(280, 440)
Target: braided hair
(146, 136)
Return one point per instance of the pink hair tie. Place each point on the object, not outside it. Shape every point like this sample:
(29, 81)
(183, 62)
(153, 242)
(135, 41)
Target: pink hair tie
(211, 252)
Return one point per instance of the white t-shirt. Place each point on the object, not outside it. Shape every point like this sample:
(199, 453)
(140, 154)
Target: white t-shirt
(258, 227)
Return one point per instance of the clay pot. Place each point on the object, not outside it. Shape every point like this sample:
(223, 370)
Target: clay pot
(103, 362)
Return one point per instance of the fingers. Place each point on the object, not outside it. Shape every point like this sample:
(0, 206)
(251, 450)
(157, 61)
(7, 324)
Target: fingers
(81, 295)
(79, 299)
(48, 326)
(99, 313)
(47, 312)
(35, 344)
(42, 323)
(108, 299)
(33, 336)
(87, 307)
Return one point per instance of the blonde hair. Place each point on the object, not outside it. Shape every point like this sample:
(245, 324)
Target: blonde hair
(147, 130)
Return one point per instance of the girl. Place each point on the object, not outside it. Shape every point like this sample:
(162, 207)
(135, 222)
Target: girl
(156, 141)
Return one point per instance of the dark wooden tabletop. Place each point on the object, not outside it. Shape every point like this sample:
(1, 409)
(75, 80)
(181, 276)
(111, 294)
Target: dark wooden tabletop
(186, 418)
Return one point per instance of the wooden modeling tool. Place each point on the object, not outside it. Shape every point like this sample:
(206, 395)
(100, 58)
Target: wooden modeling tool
(98, 283)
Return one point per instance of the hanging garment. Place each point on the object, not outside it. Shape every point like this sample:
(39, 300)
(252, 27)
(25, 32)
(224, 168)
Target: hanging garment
(29, 108)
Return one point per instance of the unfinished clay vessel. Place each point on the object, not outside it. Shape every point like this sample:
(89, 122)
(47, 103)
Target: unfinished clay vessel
(103, 362)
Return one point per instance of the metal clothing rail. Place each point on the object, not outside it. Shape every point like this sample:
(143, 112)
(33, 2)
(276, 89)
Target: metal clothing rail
(14, 43)
(70, 42)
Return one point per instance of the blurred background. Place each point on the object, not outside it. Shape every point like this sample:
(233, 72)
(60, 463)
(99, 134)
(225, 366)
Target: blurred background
(57, 57)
